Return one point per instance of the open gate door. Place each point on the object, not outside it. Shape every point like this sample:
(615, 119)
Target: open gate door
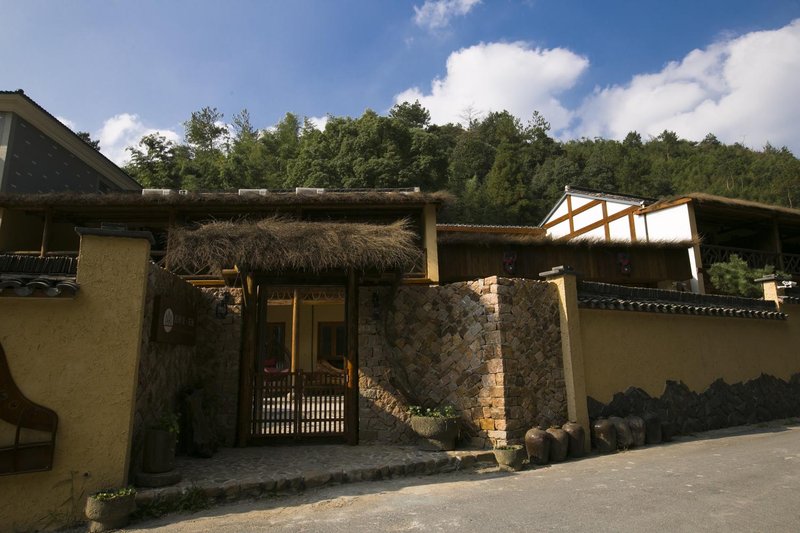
(304, 372)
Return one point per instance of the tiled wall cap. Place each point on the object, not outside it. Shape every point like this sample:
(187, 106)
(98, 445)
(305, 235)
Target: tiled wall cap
(771, 277)
(558, 271)
(107, 232)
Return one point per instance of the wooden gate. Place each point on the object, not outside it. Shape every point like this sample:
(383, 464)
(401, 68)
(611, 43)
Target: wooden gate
(280, 400)
(297, 405)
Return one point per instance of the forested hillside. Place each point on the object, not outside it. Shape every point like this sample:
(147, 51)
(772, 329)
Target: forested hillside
(500, 169)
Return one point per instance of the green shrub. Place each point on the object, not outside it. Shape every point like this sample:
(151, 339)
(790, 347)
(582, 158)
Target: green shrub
(735, 277)
(113, 494)
(446, 411)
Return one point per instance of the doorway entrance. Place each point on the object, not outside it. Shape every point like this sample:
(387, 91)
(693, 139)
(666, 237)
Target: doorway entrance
(302, 365)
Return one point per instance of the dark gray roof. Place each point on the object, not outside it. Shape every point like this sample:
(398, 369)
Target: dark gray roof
(593, 295)
(38, 276)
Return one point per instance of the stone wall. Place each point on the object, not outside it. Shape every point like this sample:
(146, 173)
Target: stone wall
(721, 405)
(490, 347)
(219, 342)
(165, 370)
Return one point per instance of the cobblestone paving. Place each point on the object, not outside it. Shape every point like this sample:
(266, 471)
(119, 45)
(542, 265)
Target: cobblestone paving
(237, 473)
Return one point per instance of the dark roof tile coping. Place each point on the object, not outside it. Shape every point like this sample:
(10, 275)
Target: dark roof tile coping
(666, 308)
(33, 265)
(588, 289)
(106, 232)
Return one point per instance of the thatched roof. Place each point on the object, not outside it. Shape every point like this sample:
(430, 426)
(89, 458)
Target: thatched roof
(534, 236)
(207, 200)
(282, 245)
(701, 199)
(488, 234)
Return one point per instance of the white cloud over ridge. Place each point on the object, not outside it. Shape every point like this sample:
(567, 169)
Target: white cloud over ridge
(502, 76)
(436, 14)
(124, 130)
(744, 89)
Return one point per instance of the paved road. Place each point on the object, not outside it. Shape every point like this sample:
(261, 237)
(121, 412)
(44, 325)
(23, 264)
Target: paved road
(724, 481)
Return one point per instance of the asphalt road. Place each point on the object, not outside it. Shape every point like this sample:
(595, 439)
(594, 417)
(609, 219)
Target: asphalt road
(721, 481)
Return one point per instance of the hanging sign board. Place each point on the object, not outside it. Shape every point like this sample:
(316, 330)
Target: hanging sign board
(174, 322)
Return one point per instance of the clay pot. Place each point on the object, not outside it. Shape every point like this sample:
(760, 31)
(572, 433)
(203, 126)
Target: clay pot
(537, 444)
(435, 433)
(510, 457)
(638, 430)
(624, 437)
(667, 431)
(604, 436)
(652, 426)
(576, 438)
(559, 444)
(159, 451)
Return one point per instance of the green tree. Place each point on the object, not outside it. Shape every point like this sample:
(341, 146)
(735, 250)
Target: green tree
(156, 162)
(87, 138)
(736, 278)
(207, 138)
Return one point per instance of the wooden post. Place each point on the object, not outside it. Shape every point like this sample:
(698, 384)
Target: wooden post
(776, 236)
(48, 220)
(351, 392)
(295, 330)
(170, 226)
(247, 359)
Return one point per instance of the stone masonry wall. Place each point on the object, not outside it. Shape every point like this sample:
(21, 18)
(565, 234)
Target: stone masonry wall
(533, 363)
(165, 370)
(490, 347)
(219, 342)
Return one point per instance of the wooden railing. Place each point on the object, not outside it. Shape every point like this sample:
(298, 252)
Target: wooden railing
(789, 263)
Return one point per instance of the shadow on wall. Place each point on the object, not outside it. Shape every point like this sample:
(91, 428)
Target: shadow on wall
(491, 348)
(721, 405)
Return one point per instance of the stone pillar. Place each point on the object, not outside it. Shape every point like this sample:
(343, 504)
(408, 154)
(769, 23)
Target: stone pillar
(565, 280)
(772, 290)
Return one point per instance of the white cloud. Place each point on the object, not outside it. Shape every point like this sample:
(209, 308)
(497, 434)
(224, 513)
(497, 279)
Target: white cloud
(319, 122)
(123, 130)
(67, 122)
(743, 89)
(498, 76)
(436, 14)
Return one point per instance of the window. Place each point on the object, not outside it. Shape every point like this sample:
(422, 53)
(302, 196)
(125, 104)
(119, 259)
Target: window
(332, 343)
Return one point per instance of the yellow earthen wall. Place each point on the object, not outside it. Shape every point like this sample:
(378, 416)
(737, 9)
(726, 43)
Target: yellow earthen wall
(623, 349)
(80, 358)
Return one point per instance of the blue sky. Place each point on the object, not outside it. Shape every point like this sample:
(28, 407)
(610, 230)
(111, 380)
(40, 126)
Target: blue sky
(120, 69)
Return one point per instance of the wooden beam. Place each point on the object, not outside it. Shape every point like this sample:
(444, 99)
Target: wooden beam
(605, 219)
(601, 223)
(632, 224)
(48, 221)
(578, 211)
(664, 205)
(569, 214)
(351, 392)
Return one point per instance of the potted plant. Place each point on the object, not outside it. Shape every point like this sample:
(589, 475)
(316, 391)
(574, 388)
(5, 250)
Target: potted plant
(159, 445)
(437, 428)
(110, 509)
(510, 457)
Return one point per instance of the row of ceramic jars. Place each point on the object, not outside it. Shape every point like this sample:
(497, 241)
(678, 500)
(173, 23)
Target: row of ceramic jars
(610, 434)
(554, 444)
